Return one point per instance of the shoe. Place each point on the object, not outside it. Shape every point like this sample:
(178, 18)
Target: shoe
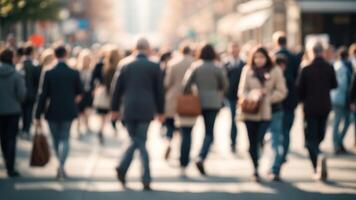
(147, 187)
(233, 149)
(274, 177)
(168, 153)
(60, 174)
(200, 167)
(322, 169)
(183, 173)
(121, 177)
(256, 178)
(13, 174)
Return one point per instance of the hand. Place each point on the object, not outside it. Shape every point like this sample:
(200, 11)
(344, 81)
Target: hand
(115, 116)
(78, 99)
(161, 118)
(38, 124)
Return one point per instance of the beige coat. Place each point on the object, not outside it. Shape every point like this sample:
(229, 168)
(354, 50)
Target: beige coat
(275, 88)
(173, 82)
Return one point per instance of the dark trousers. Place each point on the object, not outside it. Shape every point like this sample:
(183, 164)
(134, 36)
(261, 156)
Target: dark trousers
(138, 134)
(255, 131)
(27, 113)
(315, 127)
(233, 133)
(209, 117)
(169, 123)
(185, 146)
(8, 132)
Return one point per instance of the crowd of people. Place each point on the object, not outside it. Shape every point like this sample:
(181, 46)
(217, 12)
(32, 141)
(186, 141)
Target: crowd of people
(262, 89)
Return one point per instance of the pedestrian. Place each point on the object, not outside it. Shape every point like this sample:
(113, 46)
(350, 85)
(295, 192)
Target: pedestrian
(84, 66)
(103, 74)
(28, 68)
(290, 103)
(63, 89)
(233, 67)
(139, 95)
(211, 82)
(352, 54)
(263, 84)
(316, 81)
(340, 99)
(173, 83)
(12, 94)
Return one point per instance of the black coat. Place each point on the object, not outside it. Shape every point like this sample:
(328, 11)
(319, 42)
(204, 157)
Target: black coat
(139, 91)
(316, 81)
(291, 76)
(233, 74)
(61, 86)
(353, 91)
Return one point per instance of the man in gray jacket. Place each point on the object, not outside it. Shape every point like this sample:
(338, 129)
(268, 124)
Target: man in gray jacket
(139, 95)
(12, 94)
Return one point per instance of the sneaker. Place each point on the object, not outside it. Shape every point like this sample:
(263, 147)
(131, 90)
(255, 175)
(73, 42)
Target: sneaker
(121, 177)
(60, 174)
(233, 149)
(256, 178)
(322, 168)
(274, 177)
(201, 168)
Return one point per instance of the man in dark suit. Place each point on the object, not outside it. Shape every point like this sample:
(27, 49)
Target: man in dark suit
(233, 67)
(62, 88)
(139, 95)
(316, 81)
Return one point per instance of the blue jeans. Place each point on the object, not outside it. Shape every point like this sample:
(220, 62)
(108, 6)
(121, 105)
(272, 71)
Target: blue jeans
(185, 146)
(233, 134)
(138, 134)
(277, 140)
(287, 123)
(340, 114)
(60, 134)
(209, 117)
(255, 131)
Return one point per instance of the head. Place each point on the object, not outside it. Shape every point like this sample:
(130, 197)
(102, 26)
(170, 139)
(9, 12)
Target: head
(207, 53)
(47, 57)
(61, 52)
(185, 49)
(84, 59)
(111, 59)
(317, 50)
(143, 46)
(165, 57)
(281, 61)
(7, 56)
(352, 50)
(342, 53)
(279, 39)
(234, 49)
(259, 58)
(28, 50)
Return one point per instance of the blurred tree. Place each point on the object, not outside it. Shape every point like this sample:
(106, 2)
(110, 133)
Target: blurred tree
(25, 11)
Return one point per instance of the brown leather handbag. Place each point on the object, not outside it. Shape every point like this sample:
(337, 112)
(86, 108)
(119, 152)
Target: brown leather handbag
(188, 105)
(251, 103)
(40, 154)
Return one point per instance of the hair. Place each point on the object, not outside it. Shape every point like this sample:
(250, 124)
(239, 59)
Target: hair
(280, 38)
(60, 51)
(352, 49)
(207, 52)
(165, 57)
(28, 50)
(82, 56)
(6, 56)
(280, 59)
(185, 48)
(317, 48)
(342, 53)
(142, 44)
(111, 60)
(46, 57)
(20, 51)
(262, 50)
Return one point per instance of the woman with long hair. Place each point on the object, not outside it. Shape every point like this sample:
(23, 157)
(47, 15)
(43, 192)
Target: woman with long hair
(261, 85)
(103, 75)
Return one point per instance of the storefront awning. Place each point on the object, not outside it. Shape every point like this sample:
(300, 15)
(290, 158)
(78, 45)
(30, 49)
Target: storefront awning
(226, 24)
(321, 6)
(252, 21)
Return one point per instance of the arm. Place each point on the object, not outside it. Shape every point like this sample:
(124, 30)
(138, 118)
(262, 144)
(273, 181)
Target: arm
(159, 91)
(189, 80)
(280, 91)
(223, 81)
(169, 78)
(243, 86)
(334, 79)
(118, 87)
(301, 85)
